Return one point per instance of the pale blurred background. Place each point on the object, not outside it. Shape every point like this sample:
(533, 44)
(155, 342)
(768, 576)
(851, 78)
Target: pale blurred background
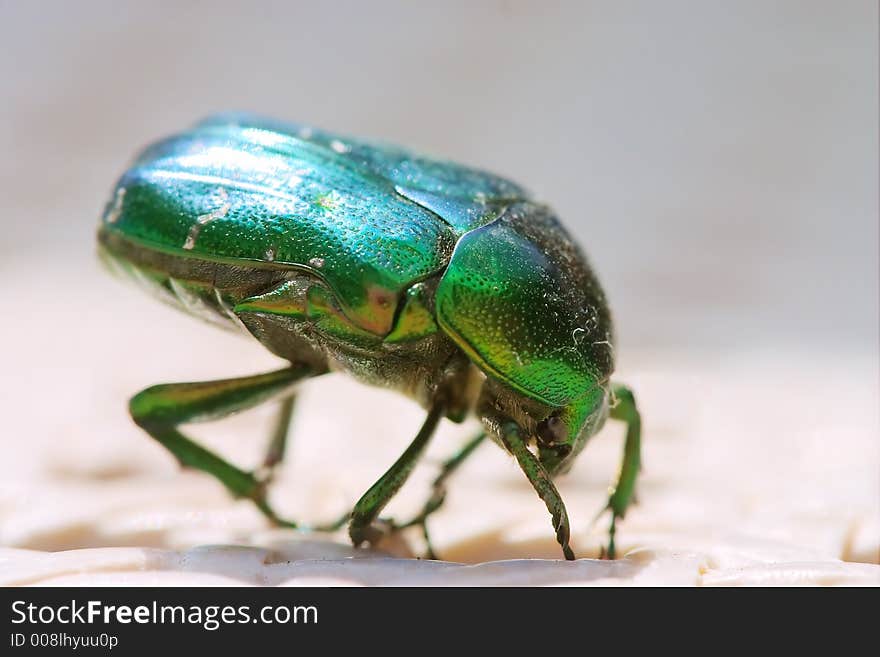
(717, 160)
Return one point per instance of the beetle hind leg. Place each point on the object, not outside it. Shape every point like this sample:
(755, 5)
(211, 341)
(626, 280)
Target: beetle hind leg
(159, 410)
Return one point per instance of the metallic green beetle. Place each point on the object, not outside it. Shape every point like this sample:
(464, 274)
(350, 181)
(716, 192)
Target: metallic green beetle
(443, 282)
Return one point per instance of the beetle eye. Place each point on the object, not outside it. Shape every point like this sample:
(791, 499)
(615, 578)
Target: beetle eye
(551, 431)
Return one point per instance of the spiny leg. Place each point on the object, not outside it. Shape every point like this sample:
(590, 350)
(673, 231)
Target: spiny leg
(159, 410)
(623, 493)
(361, 529)
(438, 490)
(541, 482)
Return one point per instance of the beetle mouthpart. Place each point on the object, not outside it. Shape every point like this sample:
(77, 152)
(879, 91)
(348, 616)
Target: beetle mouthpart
(558, 452)
(555, 459)
(551, 432)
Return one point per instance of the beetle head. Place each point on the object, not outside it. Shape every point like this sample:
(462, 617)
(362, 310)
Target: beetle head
(558, 434)
(562, 434)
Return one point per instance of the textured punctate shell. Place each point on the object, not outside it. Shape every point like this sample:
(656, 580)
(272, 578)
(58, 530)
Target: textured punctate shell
(362, 217)
(463, 196)
(520, 299)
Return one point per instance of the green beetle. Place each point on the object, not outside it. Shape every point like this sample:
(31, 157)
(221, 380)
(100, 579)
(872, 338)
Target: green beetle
(443, 282)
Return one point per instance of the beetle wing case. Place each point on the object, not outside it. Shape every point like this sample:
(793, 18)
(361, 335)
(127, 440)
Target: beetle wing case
(520, 299)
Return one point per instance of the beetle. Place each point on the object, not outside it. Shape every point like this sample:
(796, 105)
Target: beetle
(446, 283)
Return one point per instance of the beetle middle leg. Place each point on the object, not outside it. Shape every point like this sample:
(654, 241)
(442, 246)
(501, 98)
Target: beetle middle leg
(362, 527)
(438, 490)
(159, 410)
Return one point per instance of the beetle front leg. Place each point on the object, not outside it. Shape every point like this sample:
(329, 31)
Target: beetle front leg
(159, 410)
(542, 483)
(438, 490)
(362, 528)
(623, 494)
